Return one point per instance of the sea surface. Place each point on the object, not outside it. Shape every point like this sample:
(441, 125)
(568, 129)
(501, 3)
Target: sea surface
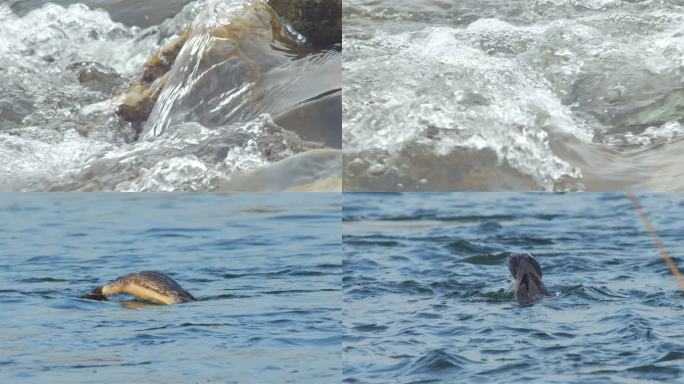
(245, 97)
(428, 297)
(555, 95)
(266, 269)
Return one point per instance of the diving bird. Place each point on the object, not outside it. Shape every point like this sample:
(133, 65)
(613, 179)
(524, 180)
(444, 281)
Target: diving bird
(155, 287)
(527, 278)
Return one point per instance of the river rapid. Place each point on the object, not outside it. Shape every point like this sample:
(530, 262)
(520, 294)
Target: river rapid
(513, 95)
(245, 97)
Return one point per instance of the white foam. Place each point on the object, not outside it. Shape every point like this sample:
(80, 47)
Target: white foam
(475, 99)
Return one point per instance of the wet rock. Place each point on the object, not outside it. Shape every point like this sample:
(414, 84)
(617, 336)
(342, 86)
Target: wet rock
(13, 111)
(317, 120)
(158, 65)
(228, 57)
(139, 101)
(330, 184)
(224, 42)
(319, 21)
(96, 76)
(191, 157)
(239, 70)
(140, 98)
(314, 170)
(417, 168)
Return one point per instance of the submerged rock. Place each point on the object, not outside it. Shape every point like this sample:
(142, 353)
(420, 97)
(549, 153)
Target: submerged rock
(192, 158)
(418, 168)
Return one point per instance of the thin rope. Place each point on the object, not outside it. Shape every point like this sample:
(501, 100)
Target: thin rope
(657, 240)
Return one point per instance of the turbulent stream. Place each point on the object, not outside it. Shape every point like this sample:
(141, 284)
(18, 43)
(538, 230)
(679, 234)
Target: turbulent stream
(245, 106)
(513, 94)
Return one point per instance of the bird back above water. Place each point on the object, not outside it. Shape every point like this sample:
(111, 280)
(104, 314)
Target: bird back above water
(151, 286)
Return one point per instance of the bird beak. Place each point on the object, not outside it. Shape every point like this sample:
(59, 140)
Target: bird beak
(96, 294)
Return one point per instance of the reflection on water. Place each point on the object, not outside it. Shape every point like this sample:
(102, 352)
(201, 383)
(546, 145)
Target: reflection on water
(428, 296)
(265, 268)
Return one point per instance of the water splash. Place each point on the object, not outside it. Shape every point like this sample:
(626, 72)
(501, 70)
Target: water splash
(510, 95)
(217, 116)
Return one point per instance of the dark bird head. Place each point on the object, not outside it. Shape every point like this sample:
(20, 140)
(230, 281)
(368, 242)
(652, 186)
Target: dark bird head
(96, 294)
(527, 274)
(523, 263)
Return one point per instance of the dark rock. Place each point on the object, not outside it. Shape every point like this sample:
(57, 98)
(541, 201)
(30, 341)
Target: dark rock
(319, 21)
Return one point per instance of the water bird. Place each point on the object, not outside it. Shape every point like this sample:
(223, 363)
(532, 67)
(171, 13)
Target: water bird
(151, 286)
(527, 278)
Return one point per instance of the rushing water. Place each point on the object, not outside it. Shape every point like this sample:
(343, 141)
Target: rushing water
(266, 269)
(130, 12)
(513, 94)
(243, 95)
(428, 298)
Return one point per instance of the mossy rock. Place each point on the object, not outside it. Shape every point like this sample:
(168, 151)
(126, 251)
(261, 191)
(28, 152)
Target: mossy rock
(159, 64)
(140, 98)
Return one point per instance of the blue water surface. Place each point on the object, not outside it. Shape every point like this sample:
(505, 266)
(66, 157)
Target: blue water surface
(428, 298)
(266, 268)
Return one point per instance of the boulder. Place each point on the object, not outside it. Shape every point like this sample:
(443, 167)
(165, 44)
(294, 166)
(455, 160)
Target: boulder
(320, 21)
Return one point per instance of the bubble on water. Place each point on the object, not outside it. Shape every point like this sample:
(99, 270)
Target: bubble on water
(187, 173)
(539, 90)
(32, 155)
(376, 169)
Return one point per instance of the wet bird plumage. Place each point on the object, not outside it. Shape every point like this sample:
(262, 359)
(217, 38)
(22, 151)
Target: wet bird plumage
(152, 286)
(527, 276)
